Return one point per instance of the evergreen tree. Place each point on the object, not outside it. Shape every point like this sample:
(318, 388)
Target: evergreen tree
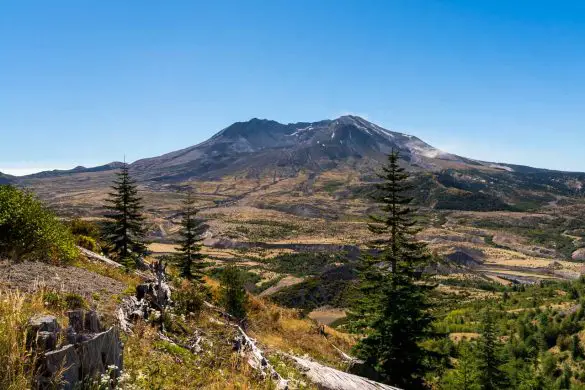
(576, 350)
(492, 377)
(465, 376)
(233, 293)
(190, 257)
(393, 309)
(124, 230)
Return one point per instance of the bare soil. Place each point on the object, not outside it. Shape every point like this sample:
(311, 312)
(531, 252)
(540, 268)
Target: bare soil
(33, 276)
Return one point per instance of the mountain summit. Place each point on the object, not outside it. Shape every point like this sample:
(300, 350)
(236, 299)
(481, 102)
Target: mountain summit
(261, 145)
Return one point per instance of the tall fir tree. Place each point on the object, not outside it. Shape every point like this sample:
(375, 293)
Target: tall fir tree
(125, 227)
(233, 293)
(189, 255)
(465, 376)
(490, 359)
(393, 308)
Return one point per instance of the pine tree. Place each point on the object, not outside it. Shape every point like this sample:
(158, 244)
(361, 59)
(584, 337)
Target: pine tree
(576, 350)
(124, 229)
(189, 251)
(233, 293)
(393, 308)
(465, 376)
(490, 361)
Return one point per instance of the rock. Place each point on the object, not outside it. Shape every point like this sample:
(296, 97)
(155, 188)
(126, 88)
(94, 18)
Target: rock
(87, 353)
(46, 341)
(463, 258)
(579, 254)
(99, 353)
(44, 324)
(84, 321)
(64, 361)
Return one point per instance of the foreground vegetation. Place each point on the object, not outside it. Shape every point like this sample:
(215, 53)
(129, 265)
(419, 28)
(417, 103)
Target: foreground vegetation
(30, 231)
(412, 331)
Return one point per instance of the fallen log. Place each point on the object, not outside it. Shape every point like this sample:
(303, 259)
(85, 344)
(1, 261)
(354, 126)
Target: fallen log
(94, 256)
(327, 378)
(247, 347)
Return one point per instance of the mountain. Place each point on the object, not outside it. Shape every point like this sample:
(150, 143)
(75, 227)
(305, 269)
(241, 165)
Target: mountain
(263, 146)
(79, 169)
(6, 179)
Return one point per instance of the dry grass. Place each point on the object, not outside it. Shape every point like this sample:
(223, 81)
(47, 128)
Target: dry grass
(16, 362)
(457, 337)
(285, 330)
(327, 315)
(150, 363)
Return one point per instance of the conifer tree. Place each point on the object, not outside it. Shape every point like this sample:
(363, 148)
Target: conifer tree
(189, 254)
(233, 293)
(393, 308)
(490, 361)
(125, 227)
(465, 376)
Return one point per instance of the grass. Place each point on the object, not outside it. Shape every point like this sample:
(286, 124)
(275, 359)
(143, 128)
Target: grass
(150, 363)
(129, 278)
(287, 331)
(15, 373)
(16, 361)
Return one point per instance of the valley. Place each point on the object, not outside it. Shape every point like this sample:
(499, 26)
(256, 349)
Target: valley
(483, 221)
(297, 230)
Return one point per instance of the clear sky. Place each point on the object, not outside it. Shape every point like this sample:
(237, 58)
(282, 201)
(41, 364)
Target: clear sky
(87, 82)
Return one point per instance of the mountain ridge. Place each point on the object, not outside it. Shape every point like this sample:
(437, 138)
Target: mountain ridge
(264, 146)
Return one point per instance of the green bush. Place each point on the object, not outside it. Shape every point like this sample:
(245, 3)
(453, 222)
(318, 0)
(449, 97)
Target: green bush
(88, 243)
(30, 231)
(68, 301)
(81, 227)
(87, 234)
(189, 298)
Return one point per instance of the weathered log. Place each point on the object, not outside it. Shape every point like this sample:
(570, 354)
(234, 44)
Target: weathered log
(194, 346)
(327, 378)
(247, 346)
(94, 256)
(257, 360)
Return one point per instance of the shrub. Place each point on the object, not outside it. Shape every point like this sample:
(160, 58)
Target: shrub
(30, 231)
(75, 301)
(68, 301)
(87, 242)
(189, 298)
(81, 227)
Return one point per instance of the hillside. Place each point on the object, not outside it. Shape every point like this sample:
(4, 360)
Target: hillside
(295, 229)
(5, 179)
(305, 186)
(262, 148)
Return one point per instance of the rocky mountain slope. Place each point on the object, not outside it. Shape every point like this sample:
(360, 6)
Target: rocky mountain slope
(262, 146)
(349, 146)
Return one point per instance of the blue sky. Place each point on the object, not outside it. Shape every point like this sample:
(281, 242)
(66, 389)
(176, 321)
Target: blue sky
(87, 82)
